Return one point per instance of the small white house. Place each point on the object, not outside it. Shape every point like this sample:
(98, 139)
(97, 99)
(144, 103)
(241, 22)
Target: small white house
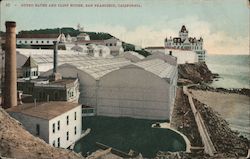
(57, 123)
(83, 37)
(115, 46)
(98, 50)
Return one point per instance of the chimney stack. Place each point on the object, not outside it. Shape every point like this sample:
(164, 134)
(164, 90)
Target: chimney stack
(55, 76)
(55, 56)
(10, 80)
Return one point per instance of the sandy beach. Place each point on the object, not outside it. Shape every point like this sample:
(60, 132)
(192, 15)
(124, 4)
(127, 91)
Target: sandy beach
(233, 107)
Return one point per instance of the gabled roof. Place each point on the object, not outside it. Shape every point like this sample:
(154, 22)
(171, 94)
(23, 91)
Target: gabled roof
(183, 29)
(30, 63)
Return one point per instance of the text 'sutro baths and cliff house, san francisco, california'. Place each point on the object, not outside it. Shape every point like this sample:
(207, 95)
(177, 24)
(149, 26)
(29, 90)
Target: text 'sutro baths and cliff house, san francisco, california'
(124, 79)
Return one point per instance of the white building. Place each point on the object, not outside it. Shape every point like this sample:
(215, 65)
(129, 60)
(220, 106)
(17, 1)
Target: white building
(183, 42)
(117, 86)
(83, 37)
(172, 60)
(57, 123)
(154, 49)
(183, 56)
(30, 69)
(39, 39)
(98, 50)
(115, 46)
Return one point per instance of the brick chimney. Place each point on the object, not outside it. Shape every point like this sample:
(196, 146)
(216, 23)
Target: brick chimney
(10, 80)
(55, 75)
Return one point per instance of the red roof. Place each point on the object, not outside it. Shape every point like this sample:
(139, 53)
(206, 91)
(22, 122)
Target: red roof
(155, 47)
(38, 36)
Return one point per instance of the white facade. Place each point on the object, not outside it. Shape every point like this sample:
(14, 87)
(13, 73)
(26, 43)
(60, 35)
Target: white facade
(183, 56)
(98, 50)
(83, 37)
(68, 133)
(184, 42)
(55, 131)
(118, 87)
(115, 46)
(145, 89)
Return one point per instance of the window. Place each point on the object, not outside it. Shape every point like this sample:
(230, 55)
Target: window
(53, 127)
(42, 42)
(75, 130)
(37, 129)
(58, 125)
(67, 120)
(20, 42)
(67, 136)
(58, 142)
(75, 115)
(54, 143)
(25, 42)
(47, 41)
(36, 41)
(31, 42)
(110, 44)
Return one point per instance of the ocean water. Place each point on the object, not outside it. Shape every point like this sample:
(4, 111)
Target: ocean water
(234, 72)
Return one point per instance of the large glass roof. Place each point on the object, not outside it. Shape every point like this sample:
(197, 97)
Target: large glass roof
(96, 66)
(158, 67)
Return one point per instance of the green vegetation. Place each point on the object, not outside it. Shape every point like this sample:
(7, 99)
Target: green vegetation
(128, 133)
(131, 47)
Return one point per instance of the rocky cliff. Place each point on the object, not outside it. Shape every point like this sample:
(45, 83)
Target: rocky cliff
(197, 73)
(16, 142)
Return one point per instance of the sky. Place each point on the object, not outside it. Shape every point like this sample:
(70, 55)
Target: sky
(223, 24)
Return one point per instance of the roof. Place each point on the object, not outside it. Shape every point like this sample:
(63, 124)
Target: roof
(161, 55)
(96, 67)
(132, 56)
(30, 63)
(63, 81)
(158, 67)
(39, 36)
(183, 29)
(155, 47)
(47, 111)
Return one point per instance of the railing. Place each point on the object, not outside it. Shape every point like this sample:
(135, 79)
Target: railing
(206, 140)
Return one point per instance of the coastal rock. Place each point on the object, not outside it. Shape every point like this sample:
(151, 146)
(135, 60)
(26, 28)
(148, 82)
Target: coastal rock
(242, 91)
(197, 72)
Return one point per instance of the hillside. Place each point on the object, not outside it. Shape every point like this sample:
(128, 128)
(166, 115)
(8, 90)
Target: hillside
(16, 142)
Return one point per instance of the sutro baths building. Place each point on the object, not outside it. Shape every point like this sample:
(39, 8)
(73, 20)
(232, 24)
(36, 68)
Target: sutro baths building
(117, 86)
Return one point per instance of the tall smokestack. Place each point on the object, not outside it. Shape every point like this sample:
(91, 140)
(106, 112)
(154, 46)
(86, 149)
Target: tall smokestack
(55, 56)
(10, 85)
(55, 76)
